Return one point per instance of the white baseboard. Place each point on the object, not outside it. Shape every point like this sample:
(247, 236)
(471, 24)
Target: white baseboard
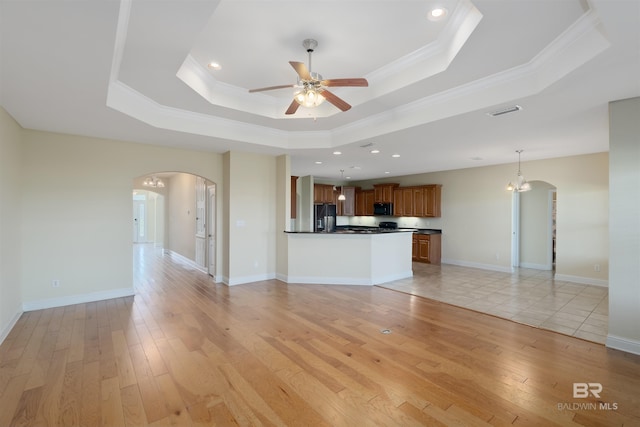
(533, 266)
(314, 280)
(4, 333)
(490, 267)
(247, 279)
(77, 299)
(581, 280)
(623, 344)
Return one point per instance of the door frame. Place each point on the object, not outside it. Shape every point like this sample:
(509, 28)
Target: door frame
(211, 230)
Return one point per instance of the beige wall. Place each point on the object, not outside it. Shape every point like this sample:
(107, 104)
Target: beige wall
(77, 212)
(624, 208)
(476, 214)
(251, 219)
(283, 214)
(182, 215)
(10, 221)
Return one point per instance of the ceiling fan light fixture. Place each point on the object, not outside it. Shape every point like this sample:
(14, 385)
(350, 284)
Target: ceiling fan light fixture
(308, 97)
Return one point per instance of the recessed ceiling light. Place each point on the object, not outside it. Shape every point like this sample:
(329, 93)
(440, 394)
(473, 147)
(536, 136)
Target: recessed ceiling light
(395, 155)
(214, 66)
(437, 13)
(337, 153)
(387, 172)
(318, 163)
(374, 151)
(348, 177)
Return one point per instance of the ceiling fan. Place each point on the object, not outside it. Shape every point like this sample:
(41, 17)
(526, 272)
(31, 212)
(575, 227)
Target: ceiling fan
(312, 88)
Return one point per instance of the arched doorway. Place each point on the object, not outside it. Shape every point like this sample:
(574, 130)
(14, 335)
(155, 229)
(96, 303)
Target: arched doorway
(183, 215)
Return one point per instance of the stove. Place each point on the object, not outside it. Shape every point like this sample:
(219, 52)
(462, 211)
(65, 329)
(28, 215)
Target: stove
(388, 225)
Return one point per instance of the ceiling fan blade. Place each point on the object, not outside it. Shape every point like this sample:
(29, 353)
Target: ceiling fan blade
(262, 89)
(293, 107)
(338, 102)
(301, 69)
(360, 82)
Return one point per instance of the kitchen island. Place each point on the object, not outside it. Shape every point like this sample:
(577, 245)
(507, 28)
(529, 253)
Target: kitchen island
(349, 257)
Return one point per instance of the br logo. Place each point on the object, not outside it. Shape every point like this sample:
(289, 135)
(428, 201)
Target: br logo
(583, 390)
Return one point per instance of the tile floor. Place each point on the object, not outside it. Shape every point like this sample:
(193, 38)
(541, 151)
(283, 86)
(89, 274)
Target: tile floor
(527, 296)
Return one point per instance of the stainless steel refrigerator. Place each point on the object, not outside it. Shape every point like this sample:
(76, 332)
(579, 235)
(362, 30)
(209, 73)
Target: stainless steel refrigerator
(324, 219)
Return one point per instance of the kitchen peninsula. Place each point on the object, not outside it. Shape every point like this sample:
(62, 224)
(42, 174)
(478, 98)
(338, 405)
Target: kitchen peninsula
(349, 257)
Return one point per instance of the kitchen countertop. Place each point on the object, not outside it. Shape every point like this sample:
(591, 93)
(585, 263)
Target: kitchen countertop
(370, 230)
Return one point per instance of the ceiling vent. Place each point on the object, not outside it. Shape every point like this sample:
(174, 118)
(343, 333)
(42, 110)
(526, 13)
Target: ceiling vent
(506, 110)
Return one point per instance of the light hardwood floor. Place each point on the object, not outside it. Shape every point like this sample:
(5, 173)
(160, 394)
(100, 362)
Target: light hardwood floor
(185, 351)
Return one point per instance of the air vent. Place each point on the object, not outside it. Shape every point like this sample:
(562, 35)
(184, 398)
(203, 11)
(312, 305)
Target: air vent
(506, 110)
(367, 145)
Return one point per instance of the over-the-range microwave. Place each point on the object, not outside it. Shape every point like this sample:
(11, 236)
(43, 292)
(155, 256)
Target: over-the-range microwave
(383, 208)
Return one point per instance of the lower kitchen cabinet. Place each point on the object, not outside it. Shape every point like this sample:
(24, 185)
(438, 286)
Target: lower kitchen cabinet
(426, 248)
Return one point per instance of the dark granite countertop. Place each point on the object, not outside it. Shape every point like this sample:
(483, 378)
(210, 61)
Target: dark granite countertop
(370, 230)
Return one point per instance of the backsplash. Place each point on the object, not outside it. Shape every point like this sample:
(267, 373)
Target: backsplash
(403, 221)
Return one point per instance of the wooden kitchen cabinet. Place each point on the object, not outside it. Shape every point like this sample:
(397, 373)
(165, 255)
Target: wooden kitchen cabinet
(368, 202)
(418, 201)
(294, 182)
(407, 202)
(432, 195)
(427, 248)
(324, 193)
(347, 207)
(383, 193)
(364, 202)
(397, 202)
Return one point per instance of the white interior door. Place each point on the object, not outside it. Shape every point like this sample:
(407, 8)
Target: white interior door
(201, 224)
(211, 229)
(139, 219)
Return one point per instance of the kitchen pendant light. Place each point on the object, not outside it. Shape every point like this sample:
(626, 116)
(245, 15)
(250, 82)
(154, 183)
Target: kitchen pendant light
(342, 197)
(521, 184)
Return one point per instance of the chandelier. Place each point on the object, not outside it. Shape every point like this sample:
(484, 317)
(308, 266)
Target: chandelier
(153, 181)
(521, 184)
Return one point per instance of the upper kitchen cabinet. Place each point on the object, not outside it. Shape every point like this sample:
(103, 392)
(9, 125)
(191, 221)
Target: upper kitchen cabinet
(383, 193)
(324, 193)
(431, 202)
(403, 201)
(420, 201)
(364, 202)
(347, 207)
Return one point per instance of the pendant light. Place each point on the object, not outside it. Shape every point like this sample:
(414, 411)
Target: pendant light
(521, 184)
(342, 197)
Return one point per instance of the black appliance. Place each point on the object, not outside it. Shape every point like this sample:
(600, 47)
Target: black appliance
(383, 208)
(324, 218)
(388, 225)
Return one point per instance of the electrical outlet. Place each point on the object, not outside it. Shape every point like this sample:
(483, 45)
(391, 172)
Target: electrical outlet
(55, 283)
(596, 267)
